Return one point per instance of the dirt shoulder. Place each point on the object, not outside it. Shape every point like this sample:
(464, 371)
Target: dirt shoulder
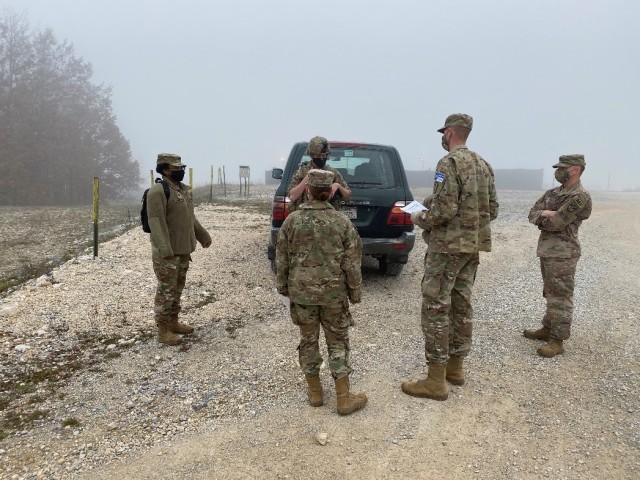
(232, 403)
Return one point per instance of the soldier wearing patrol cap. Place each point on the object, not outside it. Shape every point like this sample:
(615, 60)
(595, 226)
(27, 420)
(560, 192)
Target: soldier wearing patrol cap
(558, 214)
(318, 150)
(174, 232)
(318, 256)
(456, 227)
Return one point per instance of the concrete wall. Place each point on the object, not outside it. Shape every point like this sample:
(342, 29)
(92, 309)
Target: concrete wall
(506, 179)
(268, 180)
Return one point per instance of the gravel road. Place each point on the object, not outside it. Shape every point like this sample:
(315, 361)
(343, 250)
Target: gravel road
(87, 393)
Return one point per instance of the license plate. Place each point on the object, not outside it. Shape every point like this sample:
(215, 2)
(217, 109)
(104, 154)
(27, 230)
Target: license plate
(350, 212)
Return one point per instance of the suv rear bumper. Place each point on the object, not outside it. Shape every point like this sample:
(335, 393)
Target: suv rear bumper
(398, 248)
(394, 247)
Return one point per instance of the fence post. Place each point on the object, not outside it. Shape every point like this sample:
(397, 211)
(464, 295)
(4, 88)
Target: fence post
(211, 186)
(151, 178)
(191, 178)
(96, 201)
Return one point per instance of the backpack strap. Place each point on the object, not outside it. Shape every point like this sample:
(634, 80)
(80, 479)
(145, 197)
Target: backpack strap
(165, 187)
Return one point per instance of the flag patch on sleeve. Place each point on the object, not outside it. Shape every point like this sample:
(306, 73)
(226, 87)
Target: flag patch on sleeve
(440, 177)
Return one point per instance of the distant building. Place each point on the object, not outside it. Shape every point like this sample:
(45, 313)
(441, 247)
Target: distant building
(506, 179)
(269, 180)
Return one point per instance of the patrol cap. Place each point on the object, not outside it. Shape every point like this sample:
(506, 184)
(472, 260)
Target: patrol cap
(575, 159)
(320, 178)
(457, 120)
(318, 146)
(171, 159)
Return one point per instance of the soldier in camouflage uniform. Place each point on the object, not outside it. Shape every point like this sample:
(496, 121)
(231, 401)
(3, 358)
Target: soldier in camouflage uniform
(558, 214)
(319, 150)
(457, 227)
(174, 232)
(318, 258)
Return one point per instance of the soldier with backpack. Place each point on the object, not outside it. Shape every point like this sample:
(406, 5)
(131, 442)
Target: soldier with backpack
(174, 231)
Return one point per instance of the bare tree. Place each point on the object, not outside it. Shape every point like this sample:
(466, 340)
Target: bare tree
(57, 127)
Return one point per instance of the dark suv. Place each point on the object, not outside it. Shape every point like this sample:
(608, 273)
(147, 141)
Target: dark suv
(379, 188)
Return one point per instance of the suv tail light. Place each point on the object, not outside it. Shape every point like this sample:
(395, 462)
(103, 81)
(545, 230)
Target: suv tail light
(397, 216)
(280, 207)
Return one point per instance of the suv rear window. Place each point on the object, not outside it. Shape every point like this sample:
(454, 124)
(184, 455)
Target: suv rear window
(362, 168)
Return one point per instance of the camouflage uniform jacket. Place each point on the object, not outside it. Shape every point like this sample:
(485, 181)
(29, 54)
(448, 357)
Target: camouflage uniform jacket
(559, 234)
(463, 205)
(318, 256)
(301, 173)
(174, 227)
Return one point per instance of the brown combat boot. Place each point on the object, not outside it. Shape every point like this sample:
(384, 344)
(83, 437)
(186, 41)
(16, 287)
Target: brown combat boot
(314, 390)
(165, 335)
(551, 349)
(178, 327)
(540, 334)
(348, 402)
(455, 375)
(433, 387)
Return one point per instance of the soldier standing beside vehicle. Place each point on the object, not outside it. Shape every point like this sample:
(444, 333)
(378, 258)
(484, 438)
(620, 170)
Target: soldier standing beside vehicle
(464, 203)
(318, 149)
(558, 214)
(174, 232)
(318, 256)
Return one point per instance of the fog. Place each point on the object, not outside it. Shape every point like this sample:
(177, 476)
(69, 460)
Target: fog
(237, 82)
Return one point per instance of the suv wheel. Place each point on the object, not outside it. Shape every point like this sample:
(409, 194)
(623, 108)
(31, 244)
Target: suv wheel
(389, 267)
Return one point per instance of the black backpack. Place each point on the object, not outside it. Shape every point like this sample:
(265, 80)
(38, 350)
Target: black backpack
(144, 219)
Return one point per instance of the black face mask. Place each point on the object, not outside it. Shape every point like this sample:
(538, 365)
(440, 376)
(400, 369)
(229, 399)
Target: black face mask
(320, 162)
(177, 175)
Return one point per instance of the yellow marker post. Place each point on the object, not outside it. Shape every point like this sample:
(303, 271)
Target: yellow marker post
(96, 202)
(191, 178)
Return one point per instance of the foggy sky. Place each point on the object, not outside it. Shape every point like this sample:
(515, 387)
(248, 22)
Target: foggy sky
(234, 82)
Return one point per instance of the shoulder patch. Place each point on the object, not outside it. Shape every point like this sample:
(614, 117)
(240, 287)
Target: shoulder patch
(576, 204)
(440, 177)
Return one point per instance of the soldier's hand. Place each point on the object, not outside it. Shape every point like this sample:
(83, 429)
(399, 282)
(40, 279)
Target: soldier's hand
(417, 216)
(334, 187)
(547, 213)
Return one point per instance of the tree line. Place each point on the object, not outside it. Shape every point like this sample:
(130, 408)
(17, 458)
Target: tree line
(57, 127)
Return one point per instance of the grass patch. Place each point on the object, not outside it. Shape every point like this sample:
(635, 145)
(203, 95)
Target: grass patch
(70, 422)
(207, 298)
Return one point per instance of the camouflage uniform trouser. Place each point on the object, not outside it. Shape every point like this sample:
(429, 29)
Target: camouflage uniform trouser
(171, 274)
(558, 277)
(446, 304)
(335, 320)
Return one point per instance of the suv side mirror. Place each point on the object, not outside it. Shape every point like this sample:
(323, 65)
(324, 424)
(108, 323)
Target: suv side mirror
(277, 173)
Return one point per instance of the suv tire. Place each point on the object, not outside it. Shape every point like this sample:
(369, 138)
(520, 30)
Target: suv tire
(389, 267)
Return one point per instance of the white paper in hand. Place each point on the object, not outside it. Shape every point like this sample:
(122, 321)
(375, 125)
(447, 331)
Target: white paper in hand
(414, 206)
(285, 300)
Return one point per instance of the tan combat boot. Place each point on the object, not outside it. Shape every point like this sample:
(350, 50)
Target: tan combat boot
(540, 334)
(455, 375)
(433, 387)
(314, 390)
(348, 402)
(165, 335)
(551, 349)
(178, 327)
